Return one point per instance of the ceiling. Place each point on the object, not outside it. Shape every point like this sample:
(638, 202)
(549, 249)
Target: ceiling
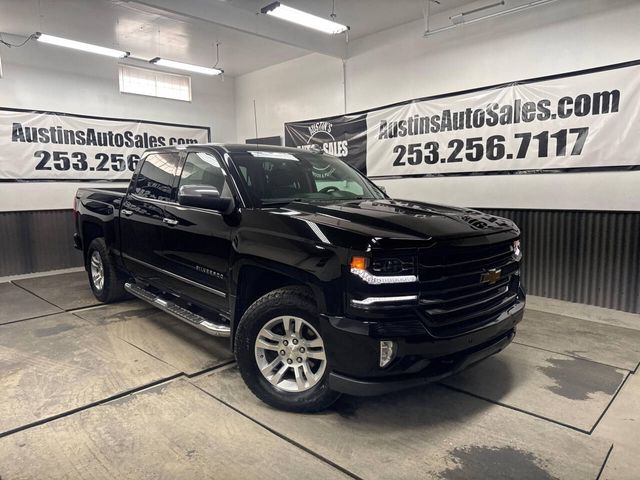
(188, 30)
(364, 17)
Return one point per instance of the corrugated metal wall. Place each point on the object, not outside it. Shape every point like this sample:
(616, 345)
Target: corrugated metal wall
(580, 256)
(37, 242)
(583, 257)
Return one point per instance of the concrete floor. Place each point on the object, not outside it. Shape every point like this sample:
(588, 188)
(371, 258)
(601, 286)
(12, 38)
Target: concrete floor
(125, 391)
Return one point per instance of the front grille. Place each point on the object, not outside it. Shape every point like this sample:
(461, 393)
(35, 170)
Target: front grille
(453, 298)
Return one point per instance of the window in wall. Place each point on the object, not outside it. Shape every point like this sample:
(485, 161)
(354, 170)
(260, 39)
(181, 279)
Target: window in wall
(143, 81)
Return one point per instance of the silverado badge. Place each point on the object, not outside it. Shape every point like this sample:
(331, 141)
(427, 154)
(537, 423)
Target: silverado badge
(490, 276)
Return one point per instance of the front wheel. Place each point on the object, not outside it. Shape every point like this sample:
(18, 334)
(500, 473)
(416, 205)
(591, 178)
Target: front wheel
(281, 354)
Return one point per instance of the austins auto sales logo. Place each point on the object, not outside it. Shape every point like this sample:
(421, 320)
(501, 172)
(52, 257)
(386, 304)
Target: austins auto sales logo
(320, 134)
(320, 127)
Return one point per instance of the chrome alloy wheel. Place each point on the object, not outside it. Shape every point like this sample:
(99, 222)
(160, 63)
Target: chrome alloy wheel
(97, 270)
(290, 354)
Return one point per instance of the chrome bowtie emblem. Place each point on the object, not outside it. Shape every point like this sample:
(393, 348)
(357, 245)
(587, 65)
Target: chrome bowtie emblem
(491, 276)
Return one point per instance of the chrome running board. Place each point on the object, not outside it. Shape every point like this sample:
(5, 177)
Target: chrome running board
(181, 313)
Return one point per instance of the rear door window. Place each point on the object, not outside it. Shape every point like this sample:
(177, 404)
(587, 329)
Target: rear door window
(155, 179)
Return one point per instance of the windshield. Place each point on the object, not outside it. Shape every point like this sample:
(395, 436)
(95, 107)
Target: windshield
(281, 177)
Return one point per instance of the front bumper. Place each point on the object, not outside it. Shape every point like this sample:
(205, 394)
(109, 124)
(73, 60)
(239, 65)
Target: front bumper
(354, 353)
(437, 370)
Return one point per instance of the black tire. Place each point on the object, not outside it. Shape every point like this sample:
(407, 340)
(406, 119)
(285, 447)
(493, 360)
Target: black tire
(295, 301)
(113, 287)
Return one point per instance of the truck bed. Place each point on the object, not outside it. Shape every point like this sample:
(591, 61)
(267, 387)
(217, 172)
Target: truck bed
(116, 190)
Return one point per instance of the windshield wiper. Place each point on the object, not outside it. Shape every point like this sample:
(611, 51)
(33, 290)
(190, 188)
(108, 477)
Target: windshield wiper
(352, 198)
(284, 201)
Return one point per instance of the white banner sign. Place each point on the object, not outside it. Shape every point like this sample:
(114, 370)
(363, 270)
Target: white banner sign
(56, 146)
(587, 120)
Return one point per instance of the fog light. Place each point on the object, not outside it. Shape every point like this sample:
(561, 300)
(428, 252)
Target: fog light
(387, 352)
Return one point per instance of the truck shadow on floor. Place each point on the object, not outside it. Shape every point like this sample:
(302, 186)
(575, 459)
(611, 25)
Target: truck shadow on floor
(435, 410)
(429, 404)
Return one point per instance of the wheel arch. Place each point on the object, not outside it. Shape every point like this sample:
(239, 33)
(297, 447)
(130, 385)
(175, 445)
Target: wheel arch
(90, 231)
(252, 280)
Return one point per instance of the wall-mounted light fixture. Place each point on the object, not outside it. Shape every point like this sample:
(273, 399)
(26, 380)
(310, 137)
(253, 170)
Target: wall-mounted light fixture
(283, 12)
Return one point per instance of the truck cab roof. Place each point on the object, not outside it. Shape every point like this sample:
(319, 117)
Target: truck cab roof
(229, 147)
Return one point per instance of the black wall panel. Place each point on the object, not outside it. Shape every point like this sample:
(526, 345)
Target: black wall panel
(581, 256)
(36, 242)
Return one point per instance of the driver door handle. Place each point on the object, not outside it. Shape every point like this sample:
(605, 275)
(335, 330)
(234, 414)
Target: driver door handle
(169, 221)
(128, 213)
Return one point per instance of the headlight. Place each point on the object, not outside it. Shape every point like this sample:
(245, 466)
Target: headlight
(385, 270)
(392, 266)
(517, 253)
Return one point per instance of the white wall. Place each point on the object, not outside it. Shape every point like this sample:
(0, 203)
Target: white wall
(306, 87)
(47, 78)
(399, 64)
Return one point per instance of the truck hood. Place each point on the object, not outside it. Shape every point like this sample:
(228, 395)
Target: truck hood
(388, 218)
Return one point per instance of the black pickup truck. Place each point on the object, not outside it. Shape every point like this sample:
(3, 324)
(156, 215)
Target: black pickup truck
(322, 283)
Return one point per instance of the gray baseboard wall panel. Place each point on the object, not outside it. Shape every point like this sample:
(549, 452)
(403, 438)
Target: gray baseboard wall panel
(37, 241)
(581, 256)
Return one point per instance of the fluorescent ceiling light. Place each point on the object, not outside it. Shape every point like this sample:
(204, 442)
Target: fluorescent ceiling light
(459, 19)
(163, 62)
(85, 47)
(276, 9)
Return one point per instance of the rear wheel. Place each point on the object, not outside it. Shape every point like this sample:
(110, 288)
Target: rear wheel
(281, 354)
(105, 282)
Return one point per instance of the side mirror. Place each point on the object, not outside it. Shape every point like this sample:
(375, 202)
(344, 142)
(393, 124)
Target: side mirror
(204, 196)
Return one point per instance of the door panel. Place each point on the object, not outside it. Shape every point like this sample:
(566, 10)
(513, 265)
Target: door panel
(197, 248)
(142, 215)
(197, 245)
